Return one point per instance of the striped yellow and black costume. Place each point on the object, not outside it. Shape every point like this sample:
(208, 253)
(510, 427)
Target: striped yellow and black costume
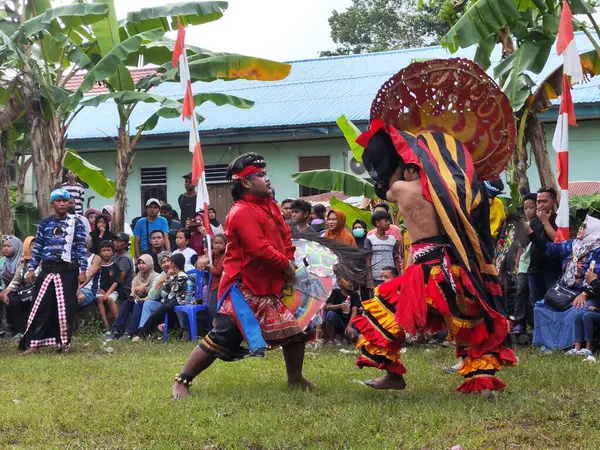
(452, 282)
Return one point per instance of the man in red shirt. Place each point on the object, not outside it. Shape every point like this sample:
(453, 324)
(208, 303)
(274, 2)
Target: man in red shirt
(259, 261)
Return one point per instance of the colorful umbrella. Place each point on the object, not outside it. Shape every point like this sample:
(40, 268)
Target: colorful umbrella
(314, 281)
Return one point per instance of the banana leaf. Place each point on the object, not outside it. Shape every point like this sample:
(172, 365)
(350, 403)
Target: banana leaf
(173, 109)
(231, 67)
(92, 175)
(480, 21)
(109, 64)
(161, 52)
(71, 16)
(530, 56)
(26, 220)
(167, 16)
(351, 133)
(335, 180)
(352, 213)
(587, 203)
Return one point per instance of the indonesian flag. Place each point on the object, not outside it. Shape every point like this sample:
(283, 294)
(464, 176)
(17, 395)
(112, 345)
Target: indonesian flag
(565, 45)
(198, 173)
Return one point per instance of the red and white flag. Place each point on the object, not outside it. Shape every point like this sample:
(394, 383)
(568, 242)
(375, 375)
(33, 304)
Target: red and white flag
(188, 112)
(565, 45)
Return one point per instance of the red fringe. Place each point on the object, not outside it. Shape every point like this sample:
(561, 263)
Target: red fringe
(481, 382)
(411, 315)
(397, 367)
(369, 332)
(507, 357)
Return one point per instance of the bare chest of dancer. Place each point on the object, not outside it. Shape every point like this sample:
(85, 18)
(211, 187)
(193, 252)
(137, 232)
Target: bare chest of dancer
(419, 215)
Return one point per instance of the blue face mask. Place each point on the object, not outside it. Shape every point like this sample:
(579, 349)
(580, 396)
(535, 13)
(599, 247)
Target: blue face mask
(359, 232)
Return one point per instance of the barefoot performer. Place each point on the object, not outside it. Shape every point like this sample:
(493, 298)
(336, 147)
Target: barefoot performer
(452, 282)
(259, 260)
(60, 248)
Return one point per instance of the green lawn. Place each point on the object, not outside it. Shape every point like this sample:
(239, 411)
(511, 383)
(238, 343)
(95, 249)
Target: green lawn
(98, 400)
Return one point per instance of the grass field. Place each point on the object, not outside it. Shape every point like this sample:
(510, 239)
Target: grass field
(94, 399)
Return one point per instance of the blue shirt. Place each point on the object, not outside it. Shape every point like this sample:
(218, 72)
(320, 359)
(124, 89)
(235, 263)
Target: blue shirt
(60, 240)
(143, 232)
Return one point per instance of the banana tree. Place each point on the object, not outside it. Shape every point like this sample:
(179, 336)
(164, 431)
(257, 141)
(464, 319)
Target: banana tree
(46, 48)
(526, 32)
(138, 42)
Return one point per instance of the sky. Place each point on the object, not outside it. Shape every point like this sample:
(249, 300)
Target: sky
(282, 30)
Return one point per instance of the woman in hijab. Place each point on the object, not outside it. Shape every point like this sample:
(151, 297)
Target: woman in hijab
(109, 212)
(336, 228)
(359, 231)
(17, 258)
(216, 226)
(140, 287)
(578, 255)
(90, 214)
(12, 250)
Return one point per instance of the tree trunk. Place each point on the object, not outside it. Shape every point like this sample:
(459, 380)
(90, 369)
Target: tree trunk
(6, 219)
(536, 136)
(48, 151)
(124, 160)
(23, 168)
(519, 164)
(43, 161)
(520, 171)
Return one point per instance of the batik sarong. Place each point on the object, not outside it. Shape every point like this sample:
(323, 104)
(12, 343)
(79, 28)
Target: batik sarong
(262, 321)
(54, 307)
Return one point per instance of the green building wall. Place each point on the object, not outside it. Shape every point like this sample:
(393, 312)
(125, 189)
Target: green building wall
(281, 157)
(282, 161)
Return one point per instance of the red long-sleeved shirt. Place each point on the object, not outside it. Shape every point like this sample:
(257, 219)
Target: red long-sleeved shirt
(259, 246)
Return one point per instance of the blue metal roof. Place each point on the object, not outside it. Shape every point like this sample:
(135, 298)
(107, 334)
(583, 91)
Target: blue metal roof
(316, 91)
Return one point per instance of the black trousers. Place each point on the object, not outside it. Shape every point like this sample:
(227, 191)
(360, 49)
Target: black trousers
(523, 305)
(158, 316)
(17, 312)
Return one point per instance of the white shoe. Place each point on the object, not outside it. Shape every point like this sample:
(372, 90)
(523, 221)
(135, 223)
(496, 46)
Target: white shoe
(136, 339)
(585, 352)
(572, 352)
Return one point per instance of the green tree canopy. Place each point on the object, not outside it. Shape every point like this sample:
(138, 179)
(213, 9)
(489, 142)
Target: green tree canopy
(379, 25)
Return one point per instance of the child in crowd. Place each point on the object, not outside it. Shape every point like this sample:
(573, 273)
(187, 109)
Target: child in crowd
(523, 309)
(339, 314)
(385, 249)
(388, 273)
(182, 240)
(216, 269)
(107, 290)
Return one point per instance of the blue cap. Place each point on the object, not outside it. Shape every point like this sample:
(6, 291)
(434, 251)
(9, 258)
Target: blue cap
(59, 193)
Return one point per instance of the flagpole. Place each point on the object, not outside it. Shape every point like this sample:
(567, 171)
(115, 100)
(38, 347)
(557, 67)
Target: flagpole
(188, 111)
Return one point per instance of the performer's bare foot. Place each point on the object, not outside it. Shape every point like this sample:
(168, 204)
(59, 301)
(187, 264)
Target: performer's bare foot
(30, 350)
(389, 381)
(488, 394)
(302, 384)
(180, 391)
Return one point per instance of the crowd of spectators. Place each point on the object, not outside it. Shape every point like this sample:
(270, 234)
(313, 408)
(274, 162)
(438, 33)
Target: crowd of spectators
(550, 289)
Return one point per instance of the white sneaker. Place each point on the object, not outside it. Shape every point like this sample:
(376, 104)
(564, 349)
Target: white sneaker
(572, 352)
(136, 339)
(585, 352)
